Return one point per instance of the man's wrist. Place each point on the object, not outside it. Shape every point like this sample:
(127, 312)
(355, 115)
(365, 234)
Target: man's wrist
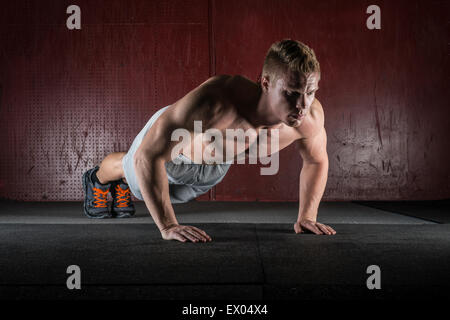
(307, 216)
(168, 226)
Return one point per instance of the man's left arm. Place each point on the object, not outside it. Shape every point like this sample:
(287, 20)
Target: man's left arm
(313, 179)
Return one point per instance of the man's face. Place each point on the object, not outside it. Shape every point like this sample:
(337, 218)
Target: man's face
(292, 95)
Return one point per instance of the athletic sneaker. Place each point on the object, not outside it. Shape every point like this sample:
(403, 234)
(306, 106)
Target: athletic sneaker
(95, 196)
(122, 206)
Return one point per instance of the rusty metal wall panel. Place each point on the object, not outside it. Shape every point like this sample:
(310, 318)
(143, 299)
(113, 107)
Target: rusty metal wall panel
(384, 94)
(68, 98)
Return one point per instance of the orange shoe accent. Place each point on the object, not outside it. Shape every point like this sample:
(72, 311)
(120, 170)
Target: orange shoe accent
(123, 197)
(101, 198)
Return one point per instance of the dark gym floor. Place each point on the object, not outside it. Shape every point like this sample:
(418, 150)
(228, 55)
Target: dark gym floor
(254, 253)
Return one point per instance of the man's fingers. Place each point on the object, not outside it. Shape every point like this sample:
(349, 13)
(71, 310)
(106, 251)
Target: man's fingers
(313, 228)
(323, 228)
(331, 229)
(196, 234)
(189, 236)
(198, 230)
(185, 233)
(202, 232)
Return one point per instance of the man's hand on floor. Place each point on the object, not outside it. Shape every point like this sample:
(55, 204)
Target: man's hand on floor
(184, 233)
(305, 225)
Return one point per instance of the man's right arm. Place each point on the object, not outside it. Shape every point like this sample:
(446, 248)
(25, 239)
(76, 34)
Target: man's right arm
(149, 164)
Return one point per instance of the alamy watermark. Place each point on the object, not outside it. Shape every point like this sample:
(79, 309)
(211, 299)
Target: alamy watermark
(74, 280)
(374, 280)
(74, 20)
(374, 20)
(235, 146)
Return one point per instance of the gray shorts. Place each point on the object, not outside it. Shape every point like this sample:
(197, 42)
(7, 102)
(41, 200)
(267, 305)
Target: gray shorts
(186, 180)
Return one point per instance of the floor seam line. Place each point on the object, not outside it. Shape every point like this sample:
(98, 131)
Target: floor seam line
(264, 282)
(399, 213)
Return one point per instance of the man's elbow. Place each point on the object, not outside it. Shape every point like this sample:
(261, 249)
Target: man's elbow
(142, 160)
(320, 161)
(139, 158)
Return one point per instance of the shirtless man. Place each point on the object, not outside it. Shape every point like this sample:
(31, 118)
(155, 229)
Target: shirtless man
(282, 100)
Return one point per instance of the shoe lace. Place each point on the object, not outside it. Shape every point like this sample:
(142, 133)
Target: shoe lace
(123, 197)
(100, 198)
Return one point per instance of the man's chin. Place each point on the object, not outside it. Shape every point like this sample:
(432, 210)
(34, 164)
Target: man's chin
(291, 122)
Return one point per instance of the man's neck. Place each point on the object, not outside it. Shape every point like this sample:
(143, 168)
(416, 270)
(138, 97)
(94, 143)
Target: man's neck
(259, 114)
(251, 103)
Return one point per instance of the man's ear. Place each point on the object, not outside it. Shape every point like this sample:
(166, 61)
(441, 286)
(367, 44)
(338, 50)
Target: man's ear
(265, 82)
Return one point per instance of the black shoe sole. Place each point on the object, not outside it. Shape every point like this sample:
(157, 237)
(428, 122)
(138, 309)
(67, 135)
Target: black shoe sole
(122, 215)
(101, 216)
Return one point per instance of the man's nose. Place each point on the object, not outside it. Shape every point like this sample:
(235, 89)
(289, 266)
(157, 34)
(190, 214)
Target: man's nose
(301, 102)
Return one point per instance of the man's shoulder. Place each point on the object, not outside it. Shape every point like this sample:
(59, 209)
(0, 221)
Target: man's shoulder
(225, 94)
(217, 80)
(208, 102)
(216, 87)
(314, 122)
(227, 87)
(317, 113)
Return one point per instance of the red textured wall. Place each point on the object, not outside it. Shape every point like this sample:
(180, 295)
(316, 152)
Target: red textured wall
(68, 98)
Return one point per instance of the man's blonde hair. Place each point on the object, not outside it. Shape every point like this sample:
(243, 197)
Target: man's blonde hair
(289, 55)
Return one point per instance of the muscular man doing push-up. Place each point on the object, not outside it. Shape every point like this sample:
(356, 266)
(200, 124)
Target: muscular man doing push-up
(157, 171)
